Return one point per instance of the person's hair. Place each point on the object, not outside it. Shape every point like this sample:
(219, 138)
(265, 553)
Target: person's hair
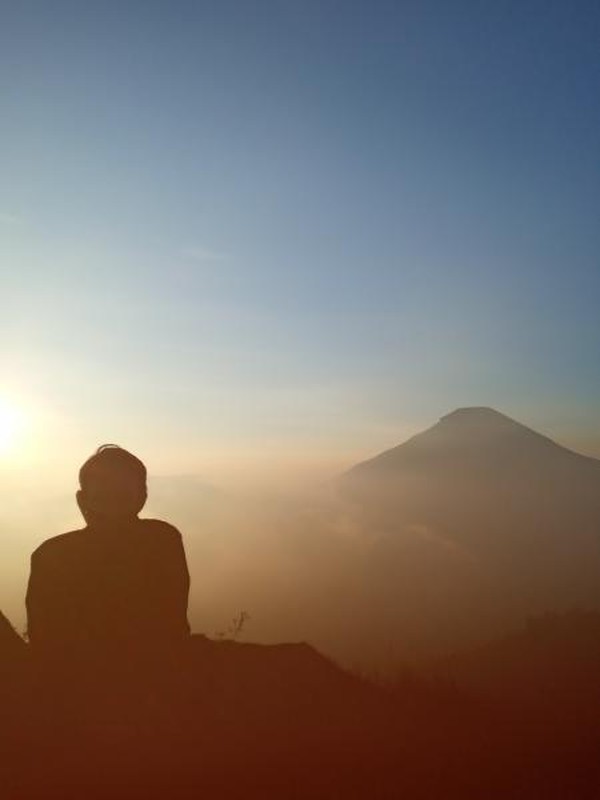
(111, 457)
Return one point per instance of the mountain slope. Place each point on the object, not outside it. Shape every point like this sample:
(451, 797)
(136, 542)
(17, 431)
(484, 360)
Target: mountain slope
(478, 438)
(524, 511)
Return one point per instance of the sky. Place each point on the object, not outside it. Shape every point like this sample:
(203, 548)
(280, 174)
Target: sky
(259, 238)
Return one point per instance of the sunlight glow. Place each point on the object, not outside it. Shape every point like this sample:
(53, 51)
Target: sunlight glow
(12, 424)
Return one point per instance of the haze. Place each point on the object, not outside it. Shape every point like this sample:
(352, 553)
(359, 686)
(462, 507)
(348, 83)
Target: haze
(257, 245)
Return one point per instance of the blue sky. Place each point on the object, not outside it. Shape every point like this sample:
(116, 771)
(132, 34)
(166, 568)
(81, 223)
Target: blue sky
(238, 232)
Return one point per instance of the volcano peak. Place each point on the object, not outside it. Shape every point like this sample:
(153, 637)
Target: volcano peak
(476, 414)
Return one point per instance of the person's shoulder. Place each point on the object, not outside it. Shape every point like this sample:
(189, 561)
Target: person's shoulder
(159, 529)
(60, 543)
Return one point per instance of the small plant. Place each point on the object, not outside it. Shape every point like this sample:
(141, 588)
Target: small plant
(236, 627)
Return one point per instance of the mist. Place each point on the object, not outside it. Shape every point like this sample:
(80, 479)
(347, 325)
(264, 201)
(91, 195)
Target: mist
(298, 561)
(450, 539)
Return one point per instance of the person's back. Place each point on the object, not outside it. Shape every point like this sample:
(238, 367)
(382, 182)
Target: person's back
(115, 592)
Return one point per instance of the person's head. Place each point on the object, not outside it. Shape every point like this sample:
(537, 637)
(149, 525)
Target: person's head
(113, 485)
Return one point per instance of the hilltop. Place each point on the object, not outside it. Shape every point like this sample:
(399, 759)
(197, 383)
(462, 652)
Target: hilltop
(243, 720)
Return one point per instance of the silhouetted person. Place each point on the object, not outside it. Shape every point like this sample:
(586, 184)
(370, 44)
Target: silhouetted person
(112, 596)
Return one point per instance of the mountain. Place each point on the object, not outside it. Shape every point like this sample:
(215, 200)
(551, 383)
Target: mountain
(488, 509)
(479, 442)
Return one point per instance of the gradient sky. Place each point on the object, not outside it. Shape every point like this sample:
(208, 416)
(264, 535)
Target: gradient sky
(241, 234)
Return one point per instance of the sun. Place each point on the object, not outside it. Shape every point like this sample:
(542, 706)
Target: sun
(12, 423)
